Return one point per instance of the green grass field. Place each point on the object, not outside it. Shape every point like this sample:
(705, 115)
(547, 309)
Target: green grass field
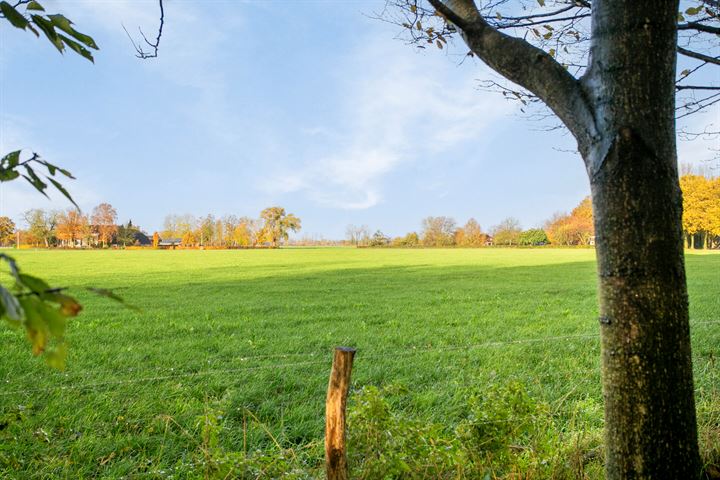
(248, 336)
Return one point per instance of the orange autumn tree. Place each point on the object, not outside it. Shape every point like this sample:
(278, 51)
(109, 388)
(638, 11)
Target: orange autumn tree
(72, 226)
(470, 235)
(104, 220)
(574, 229)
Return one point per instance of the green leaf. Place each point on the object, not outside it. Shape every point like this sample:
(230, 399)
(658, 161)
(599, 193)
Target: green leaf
(36, 182)
(63, 191)
(54, 168)
(693, 10)
(7, 175)
(12, 265)
(10, 305)
(36, 285)
(49, 30)
(65, 25)
(77, 48)
(55, 321)
(541, 2)
(104, 292)
(37, 328)
(68, 305)
(11, 160)
(33, 5)
(15, 18)
(55, 357)
(51, 168)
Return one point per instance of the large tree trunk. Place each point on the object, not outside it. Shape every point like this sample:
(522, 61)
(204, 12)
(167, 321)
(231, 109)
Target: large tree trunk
(647, 369)
(622, 113)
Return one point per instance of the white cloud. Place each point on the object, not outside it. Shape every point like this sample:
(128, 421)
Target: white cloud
(399, 106)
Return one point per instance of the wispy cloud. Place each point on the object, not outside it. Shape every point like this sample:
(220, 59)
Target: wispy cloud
(398, 107)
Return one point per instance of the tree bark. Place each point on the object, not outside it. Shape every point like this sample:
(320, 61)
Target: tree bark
(647, 371)
(650, 424)
(622, 114)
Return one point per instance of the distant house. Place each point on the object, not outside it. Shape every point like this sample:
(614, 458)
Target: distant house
(169, 242)
(489, 241)
(142, 239)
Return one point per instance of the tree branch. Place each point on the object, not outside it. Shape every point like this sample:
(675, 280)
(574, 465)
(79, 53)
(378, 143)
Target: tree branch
(699, 56)
(154, 45)
(700, 27)
(545, 21)
(526, 65)
(449, 14)
(695, 87)
(542, 15)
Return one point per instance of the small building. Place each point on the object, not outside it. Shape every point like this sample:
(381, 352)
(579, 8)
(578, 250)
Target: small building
(141, 239)
(169, 242)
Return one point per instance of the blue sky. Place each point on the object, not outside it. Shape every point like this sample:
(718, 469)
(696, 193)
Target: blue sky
(310, 105)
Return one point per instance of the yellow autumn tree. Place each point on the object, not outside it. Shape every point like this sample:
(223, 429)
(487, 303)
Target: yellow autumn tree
(188, 239)
(701, 205)
(713, 221)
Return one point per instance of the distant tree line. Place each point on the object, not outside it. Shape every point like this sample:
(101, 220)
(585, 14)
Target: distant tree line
(73, 229)
(575, 228)
(701, 222)
(272, 228)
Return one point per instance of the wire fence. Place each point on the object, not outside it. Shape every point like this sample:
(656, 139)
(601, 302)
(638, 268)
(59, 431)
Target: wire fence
(314, 358)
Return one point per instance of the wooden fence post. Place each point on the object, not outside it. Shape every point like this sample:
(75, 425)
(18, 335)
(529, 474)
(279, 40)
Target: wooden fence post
(335, 452)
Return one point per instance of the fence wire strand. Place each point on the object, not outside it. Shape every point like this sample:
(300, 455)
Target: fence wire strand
(327, 360)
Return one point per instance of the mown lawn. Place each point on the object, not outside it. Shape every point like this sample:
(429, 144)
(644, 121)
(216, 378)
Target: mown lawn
(246, 336)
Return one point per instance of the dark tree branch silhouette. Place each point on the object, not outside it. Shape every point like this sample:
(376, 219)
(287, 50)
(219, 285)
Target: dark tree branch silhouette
(154, 45)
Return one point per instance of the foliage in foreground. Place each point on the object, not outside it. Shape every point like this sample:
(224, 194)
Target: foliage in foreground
(500, 432)
(42, 311)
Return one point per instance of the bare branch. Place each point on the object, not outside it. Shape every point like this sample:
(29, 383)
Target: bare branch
(695, 87)
(526, 65)
(699, 56)
(700, 27)
(140, 53)
(546, 21)
(542, 15)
